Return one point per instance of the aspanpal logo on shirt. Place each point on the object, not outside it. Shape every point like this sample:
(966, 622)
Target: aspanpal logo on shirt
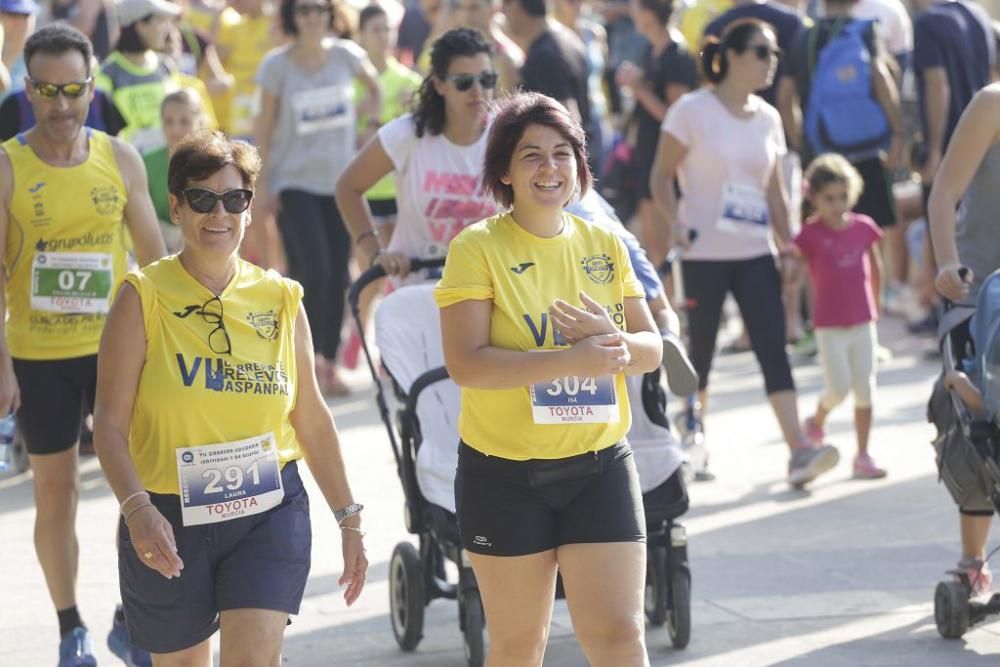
(105, 199)
(599, 268)
(265, 324)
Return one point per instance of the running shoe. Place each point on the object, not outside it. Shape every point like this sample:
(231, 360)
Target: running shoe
(808, 463)
(76, 650)
(805, 346)
(979, 574)
(865, 467)
(121, 644)
(681, 376)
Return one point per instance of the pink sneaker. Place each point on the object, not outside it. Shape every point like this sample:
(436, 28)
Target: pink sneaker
(866, 468)
(813, 432)
(980, 576)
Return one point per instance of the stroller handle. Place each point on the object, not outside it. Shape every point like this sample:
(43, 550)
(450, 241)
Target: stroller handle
(376, 272)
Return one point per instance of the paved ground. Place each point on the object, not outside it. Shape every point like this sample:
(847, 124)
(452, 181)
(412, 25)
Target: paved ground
(842, 574)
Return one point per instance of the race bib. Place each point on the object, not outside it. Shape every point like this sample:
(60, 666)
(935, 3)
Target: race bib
(744, 210)
(229, 480)
(244, 110)
(71, 282)
(323, 109)
(575, 400)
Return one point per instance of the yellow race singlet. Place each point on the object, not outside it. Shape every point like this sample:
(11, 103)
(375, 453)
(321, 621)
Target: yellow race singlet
(191, 391)
(65, 250)
(522, 274)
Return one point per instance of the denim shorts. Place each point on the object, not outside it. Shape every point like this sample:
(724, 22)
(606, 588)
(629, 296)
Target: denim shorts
(516, 508)
(254, 562)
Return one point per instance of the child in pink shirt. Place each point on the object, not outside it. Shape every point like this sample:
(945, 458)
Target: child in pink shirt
(840, 249)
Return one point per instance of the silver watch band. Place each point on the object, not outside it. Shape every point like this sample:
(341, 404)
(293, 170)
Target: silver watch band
(350, 510)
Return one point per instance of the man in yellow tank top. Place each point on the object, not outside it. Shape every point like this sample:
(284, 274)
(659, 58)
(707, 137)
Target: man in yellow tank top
(66, 191)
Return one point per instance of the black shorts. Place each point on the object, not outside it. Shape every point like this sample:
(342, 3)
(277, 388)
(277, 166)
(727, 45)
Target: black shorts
(383, 208)
(254, 562)
(56, 396)
(877, 200)
(516, 508)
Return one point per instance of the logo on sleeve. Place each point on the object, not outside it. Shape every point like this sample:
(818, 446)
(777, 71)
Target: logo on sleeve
(599, 268)
(265, 324)
(522, 267)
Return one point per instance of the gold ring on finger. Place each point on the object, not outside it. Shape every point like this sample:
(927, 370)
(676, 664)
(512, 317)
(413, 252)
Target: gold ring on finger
(148, 555)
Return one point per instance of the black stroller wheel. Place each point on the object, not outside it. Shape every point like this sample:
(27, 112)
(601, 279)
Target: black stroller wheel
(657, 587)
(679, 614)
(951, 609)
(406, 596)
(473, 622)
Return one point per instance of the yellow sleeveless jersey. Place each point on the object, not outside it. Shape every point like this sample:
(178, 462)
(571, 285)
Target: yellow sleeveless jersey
(191, 393)
(65, 250)
(523, 274)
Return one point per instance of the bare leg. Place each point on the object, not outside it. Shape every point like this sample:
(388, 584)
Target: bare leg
(786, 410)
(252, 637)
(975, 531)
(862, 428)
(57, 491)
(199, 655)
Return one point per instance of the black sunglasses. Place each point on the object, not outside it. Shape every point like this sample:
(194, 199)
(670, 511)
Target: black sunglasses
(765, 52)
(203, 201)
(463, 82)
(211, 312)
(305, 9)
(50, 91)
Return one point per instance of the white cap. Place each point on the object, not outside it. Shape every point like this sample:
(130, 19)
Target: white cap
(130, 11)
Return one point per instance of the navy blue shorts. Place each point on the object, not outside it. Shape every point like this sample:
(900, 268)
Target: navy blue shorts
(254, 562)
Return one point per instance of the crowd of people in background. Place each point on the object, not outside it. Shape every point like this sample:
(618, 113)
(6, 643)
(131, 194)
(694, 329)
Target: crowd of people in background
(786, 146)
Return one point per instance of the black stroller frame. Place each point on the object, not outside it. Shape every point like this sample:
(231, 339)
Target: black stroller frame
(954, 609)
(417, 575)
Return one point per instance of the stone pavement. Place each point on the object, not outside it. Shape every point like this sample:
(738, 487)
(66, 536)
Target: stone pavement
(840, 574)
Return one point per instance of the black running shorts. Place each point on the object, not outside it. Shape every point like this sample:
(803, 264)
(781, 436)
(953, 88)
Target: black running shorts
(56, 396)
(516, 508)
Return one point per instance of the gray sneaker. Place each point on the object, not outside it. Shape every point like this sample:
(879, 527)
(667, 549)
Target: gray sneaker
(807, 463)
(681, 376)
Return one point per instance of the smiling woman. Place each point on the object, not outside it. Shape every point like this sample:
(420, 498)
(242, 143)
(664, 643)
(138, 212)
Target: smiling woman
(542, 317)
(226, 474)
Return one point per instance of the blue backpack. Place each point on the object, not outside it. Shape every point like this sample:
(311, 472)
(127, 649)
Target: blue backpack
(842, 115)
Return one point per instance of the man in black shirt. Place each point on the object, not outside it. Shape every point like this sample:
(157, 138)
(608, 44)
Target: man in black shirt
(555, 63)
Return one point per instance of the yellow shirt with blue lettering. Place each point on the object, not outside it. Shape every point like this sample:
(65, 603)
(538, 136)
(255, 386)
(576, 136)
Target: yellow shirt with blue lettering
(522, 274)
(191, 392)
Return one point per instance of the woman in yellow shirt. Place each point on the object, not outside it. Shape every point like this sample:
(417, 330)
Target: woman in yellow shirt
(545, 478)
(206, 401)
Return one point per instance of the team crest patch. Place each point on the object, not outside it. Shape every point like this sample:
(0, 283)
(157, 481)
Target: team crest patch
(265, 324)
(105, 199)
(599, 268)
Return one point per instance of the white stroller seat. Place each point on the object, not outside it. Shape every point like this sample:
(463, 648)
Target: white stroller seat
(408, 336)
(657, 453)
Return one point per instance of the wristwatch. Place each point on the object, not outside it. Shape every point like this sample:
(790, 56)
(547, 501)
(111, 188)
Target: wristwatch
(350, 510)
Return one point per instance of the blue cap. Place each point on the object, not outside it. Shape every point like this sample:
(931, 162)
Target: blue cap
(26, 7)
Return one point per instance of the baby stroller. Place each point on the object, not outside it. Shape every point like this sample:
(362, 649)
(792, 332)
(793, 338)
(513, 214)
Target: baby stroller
(423, 432)
(968, 448)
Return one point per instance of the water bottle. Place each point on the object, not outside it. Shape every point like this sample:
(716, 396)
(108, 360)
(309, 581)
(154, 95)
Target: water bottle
(7, 428)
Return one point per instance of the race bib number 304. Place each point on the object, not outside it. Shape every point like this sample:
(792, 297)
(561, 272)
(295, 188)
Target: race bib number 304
(575, 400)
(71, 282)
(229, 480)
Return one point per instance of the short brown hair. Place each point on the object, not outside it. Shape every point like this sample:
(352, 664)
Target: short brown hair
(513, 116)
(207, 151)
(833, 168)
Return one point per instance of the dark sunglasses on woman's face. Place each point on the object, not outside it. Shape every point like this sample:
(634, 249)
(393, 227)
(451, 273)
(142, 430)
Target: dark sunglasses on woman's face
(203, 201)
(765, 52)
(463, 82)
(305, 9)
(50, 91)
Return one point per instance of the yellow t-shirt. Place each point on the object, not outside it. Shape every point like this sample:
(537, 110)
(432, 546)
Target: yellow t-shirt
(522, 274)
(191, 393)
(65, 250)
(244, 40)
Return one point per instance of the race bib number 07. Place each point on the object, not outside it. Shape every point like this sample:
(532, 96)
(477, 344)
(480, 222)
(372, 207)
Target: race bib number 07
(71, 282)
(575, 400)
(229, 480)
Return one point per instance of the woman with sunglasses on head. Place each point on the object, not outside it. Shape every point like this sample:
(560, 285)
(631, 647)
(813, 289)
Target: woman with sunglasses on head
(436, 154)
(206, 401)
(306, 135)
(542, 317)
(725, 143)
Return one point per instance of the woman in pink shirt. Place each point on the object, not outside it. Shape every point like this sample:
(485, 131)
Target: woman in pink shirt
(840, 250)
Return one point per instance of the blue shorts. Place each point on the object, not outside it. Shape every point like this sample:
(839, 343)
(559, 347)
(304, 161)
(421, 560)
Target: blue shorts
(254, 562)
